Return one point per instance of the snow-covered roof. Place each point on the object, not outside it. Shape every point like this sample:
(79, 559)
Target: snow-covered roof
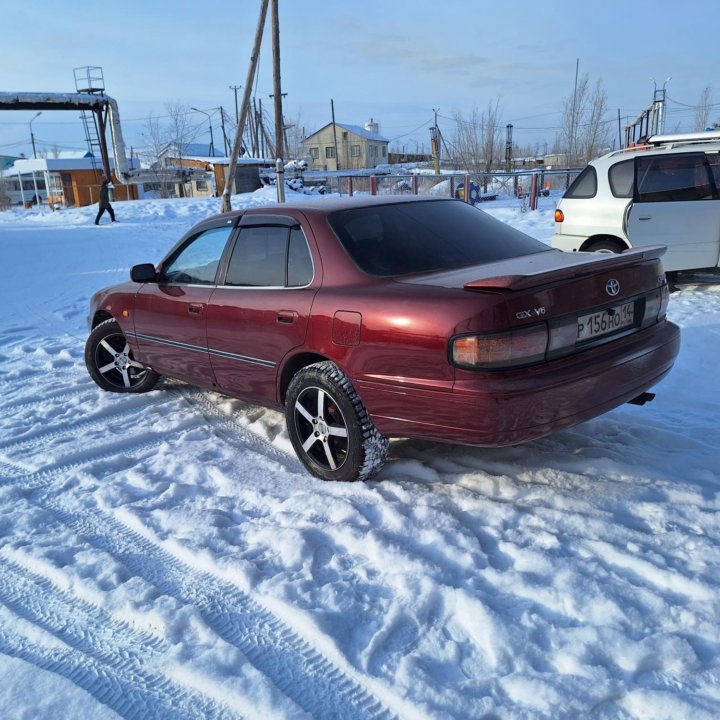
(197, 151)
(357, 129)
(56, 164)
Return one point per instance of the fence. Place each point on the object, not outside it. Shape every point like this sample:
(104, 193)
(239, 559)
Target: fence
(473, 188)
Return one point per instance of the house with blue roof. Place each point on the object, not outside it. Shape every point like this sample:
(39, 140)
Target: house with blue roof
(340, 146)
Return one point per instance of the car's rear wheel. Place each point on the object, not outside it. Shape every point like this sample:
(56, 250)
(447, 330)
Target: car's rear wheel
(606, 245)
(329, 426)
(111, 364)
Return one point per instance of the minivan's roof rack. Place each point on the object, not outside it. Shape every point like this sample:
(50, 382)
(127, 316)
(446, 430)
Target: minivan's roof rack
(707, 136)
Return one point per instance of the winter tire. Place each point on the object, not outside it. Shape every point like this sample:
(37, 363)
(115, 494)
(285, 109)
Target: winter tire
(111, 364)
(606, 245)
(329, 426)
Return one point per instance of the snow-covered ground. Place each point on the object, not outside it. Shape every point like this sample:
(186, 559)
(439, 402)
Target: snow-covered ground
(166, 556)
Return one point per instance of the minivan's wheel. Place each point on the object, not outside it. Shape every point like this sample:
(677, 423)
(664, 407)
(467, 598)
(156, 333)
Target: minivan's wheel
(606, 245)
(329, 426)
(110, 362)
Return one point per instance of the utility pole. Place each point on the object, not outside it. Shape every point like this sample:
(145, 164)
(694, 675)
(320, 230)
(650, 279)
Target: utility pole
(573, 121)
(255, 131)
(282, 123)
(32, 137)
(277, 93)
(508, 147)
(235, 88)
(435, 144)
(225, 205)
(226, 142)
(332, 112)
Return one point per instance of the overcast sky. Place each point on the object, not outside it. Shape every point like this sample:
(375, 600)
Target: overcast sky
(394, 61)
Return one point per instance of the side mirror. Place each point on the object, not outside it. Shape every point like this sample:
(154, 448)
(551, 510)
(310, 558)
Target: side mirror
(143, 273)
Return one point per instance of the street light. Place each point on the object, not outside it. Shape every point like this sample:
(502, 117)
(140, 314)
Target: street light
(32, 137)
(212, 144)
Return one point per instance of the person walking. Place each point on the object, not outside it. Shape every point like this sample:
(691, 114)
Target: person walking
(105, 202)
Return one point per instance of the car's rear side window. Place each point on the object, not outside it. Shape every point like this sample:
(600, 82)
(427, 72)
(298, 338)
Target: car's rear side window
(270, 256)
(714, 161)
(584, 186)
(414, 237)
(676, 177)
(621, 177)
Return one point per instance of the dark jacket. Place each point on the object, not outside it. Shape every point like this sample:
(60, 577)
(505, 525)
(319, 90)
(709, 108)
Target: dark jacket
(104, 196)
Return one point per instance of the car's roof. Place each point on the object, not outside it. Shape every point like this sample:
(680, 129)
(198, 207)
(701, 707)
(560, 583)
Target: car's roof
(327, 205)
(665, 149)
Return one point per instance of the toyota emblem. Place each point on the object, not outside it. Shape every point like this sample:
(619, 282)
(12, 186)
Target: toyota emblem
(612, 287)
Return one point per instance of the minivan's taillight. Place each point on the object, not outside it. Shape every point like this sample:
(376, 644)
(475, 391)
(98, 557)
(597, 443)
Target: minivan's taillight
(500, 350)
(559, 216)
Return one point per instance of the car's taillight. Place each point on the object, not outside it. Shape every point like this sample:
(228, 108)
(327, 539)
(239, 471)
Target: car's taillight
(656, 306)
(499, 350)
(559, 216)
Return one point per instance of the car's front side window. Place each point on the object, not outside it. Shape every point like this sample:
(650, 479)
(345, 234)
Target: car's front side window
(197, 261)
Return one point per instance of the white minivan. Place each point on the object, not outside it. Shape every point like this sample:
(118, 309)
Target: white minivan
(665, 192)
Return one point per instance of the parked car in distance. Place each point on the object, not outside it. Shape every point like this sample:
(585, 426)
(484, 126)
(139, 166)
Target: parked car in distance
(366, 319)
(665, 192)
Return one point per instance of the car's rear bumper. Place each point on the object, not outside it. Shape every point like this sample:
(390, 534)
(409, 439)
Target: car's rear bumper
(506, 408)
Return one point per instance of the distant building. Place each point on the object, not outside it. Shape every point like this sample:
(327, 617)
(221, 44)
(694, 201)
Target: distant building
(210, 171)
(6, 161)
(61, 182)
(357, 147)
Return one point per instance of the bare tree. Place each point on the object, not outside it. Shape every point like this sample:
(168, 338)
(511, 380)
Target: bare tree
(584, 131)
(294, 134)
(702, 110)
(181, 132)
(155, 138)
(595, 130)
(477, 139)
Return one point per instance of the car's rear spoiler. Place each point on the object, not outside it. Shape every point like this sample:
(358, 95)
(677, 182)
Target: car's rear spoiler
(593, 263)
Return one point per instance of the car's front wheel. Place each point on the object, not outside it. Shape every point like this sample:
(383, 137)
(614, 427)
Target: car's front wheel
(111, 364)
(329, 426)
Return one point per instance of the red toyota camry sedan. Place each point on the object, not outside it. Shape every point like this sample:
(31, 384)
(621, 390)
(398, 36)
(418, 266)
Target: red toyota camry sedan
(367, 319)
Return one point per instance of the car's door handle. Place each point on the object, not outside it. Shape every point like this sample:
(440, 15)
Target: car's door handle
(195, 308)
(644, 218)
(286, 316)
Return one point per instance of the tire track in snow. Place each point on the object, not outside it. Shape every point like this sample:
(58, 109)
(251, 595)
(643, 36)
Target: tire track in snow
(106, 657)
(231, 430)
(133, 405)
(313, 682)
(126, 447)
(306, 676)
(119, 691)
(57, 396)
(32, 375)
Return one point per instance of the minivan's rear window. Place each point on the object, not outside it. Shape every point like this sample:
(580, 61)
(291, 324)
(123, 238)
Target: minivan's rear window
(584, 185)
(414, 237)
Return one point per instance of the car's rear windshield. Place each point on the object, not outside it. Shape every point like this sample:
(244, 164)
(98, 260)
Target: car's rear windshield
(416, 237)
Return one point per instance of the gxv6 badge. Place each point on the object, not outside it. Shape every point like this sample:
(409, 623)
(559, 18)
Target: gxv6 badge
(534, 312)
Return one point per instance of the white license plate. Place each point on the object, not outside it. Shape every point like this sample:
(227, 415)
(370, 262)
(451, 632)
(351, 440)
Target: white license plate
(605, 321)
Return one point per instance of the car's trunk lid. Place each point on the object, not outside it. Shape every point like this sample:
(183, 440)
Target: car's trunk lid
(584, 298)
